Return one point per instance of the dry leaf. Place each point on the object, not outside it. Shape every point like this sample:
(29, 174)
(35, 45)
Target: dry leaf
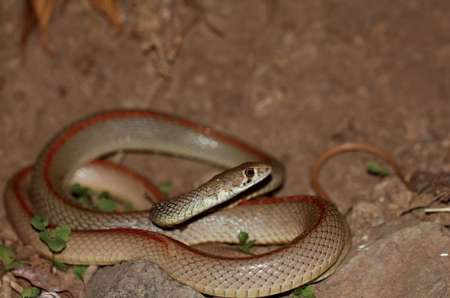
(110, 9)
(37, 13)
(40, 274)
(43, 11)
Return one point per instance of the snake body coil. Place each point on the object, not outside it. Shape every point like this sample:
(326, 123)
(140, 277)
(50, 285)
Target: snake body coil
(315, 233)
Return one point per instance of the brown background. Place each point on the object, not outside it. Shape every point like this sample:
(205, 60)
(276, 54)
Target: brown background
(292, 77)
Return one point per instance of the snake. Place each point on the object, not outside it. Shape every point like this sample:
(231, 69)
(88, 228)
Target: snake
(313, 236)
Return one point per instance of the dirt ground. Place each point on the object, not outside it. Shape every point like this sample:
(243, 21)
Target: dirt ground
(291, 77)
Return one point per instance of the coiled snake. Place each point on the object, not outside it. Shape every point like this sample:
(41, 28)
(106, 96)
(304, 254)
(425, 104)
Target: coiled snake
(315, 233)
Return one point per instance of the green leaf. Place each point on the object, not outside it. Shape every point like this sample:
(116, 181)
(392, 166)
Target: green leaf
(31, 292)
(243, 237)
(62, 232)
(106, 204)
(245, 248)
(304, 292)
(79, 271)
(165, 187)
(45, 236)
(79, 191)
(375, 169)
(56, 244)
(39, 222)
(60, 265)
(8, 258)
(56, 239)
(7, 255)
(83, 195)
(244, 244)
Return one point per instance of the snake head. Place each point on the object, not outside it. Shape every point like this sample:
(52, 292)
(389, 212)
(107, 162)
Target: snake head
(219, 189)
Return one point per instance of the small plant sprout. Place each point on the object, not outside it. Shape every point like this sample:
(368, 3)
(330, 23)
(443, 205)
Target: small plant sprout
(304, 292)
(60, 265)
(30, 292)
(106, 203)
(92, 199)
(8, 258)
(375, 169)
(244, 243)
(56, 238)
(79, 271)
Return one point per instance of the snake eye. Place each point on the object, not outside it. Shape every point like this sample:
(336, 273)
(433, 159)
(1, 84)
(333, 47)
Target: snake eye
(250, 173)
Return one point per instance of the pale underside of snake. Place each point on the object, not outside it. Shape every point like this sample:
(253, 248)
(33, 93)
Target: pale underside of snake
(315, 235)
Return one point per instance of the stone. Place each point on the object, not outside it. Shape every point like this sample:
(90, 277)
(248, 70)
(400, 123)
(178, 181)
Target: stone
(136, 279)
(411, 262)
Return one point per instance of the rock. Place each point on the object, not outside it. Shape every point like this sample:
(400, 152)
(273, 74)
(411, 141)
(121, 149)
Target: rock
(392, 196)
(136, 279)
(411, 262)
(365, 215)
